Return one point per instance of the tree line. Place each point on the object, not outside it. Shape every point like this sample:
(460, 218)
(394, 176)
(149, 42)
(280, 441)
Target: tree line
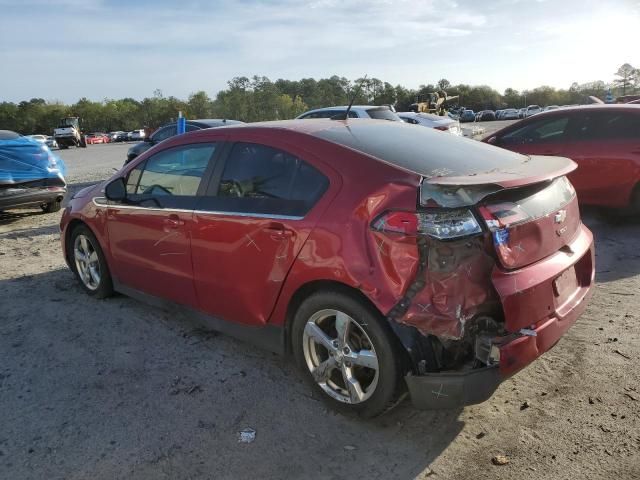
(259, 98)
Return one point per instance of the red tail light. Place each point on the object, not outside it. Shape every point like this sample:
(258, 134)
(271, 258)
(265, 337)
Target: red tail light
(443, 128)
(398, 222)
(443, 224)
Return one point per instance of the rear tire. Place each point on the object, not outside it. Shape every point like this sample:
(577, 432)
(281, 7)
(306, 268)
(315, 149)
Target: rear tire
(88, 263)
(348, 354)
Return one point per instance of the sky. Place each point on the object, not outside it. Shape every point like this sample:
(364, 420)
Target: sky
(68, 49)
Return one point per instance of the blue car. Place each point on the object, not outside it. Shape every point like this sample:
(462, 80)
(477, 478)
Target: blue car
(468, 116)
(30, 174)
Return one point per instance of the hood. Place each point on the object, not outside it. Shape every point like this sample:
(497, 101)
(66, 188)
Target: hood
(91, 188)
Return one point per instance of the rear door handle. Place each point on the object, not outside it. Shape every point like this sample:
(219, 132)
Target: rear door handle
(173, 221)
(278, 231)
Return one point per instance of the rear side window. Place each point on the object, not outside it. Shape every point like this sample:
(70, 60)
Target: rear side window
(544, 130)
(617, 125)
(265, 180)
(382, 114)
(328, 114)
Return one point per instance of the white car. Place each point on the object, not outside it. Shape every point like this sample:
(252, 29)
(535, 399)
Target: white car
(381, 112)
(532, 110)
(51, 142)
(509, 114)
(39, 138)
(445, 124)
(136, 135)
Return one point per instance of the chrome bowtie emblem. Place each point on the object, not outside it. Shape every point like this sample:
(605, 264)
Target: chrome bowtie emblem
(561, 216)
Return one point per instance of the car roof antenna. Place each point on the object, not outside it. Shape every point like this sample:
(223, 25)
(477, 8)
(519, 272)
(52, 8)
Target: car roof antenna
(345, 115)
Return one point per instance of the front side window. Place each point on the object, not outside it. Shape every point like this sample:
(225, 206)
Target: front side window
(542, 131)
(164, 133)
(176, 172)
(265, 180)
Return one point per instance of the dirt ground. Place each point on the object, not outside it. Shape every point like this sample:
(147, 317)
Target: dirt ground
(113, 389)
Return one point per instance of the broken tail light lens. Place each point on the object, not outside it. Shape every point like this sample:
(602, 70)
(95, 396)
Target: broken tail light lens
(442, 224)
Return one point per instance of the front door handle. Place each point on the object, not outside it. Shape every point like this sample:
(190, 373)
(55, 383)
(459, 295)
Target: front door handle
(173, 221)
(278, 231)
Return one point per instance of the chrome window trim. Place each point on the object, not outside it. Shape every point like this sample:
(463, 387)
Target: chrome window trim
(247, 214)
(201, 212)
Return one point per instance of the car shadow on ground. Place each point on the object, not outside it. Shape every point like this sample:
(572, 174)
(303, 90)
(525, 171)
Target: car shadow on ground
(145, 393)
(616, 243)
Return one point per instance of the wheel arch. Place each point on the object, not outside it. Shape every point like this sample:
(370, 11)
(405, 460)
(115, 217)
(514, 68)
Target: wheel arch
(71, 226)
(308, 289)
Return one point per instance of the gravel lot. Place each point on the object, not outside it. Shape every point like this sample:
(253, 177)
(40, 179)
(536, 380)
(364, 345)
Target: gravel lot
(117, 389)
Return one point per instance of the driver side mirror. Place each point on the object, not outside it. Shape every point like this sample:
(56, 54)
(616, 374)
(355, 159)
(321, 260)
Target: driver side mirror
(116, 190)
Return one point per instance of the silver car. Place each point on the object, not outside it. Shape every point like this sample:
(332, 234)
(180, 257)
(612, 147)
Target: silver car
(532, 110)
(380, 112)
(445, 124)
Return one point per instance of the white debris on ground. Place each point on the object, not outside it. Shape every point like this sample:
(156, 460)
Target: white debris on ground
(248, 435)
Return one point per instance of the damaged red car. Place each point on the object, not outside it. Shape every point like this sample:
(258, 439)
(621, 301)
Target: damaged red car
(384, 257)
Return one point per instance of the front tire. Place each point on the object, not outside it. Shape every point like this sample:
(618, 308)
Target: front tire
(347, 352)
(89, 264)
(53, 206)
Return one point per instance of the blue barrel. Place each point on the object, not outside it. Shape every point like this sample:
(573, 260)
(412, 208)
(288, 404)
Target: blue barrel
(182, 125)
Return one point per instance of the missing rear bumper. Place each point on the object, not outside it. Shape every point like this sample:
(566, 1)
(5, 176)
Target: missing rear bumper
(435, 391)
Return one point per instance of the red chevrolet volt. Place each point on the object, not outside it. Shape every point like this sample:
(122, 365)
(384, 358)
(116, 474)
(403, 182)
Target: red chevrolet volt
(384, 257)
(604, 140)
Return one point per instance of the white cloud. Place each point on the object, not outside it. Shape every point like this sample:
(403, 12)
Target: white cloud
(101, 49)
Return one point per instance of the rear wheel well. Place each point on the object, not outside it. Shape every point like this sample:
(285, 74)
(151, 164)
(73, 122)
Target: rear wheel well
(308, 289)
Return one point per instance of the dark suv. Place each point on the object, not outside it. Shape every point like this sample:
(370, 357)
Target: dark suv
(169, 130)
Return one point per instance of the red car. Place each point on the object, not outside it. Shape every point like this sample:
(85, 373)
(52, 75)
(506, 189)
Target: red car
(604, 140)
(383, 256)
(94, 138)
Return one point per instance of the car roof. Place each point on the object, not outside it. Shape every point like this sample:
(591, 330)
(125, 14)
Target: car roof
(590, 107)
(207, 122)
(344, 107)
(413, 148)
(8, 135)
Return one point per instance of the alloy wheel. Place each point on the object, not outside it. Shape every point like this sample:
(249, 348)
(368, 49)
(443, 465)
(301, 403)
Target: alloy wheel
(340, 356)
(87, 262)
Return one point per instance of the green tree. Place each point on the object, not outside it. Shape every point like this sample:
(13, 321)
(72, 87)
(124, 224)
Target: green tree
(628, 78)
